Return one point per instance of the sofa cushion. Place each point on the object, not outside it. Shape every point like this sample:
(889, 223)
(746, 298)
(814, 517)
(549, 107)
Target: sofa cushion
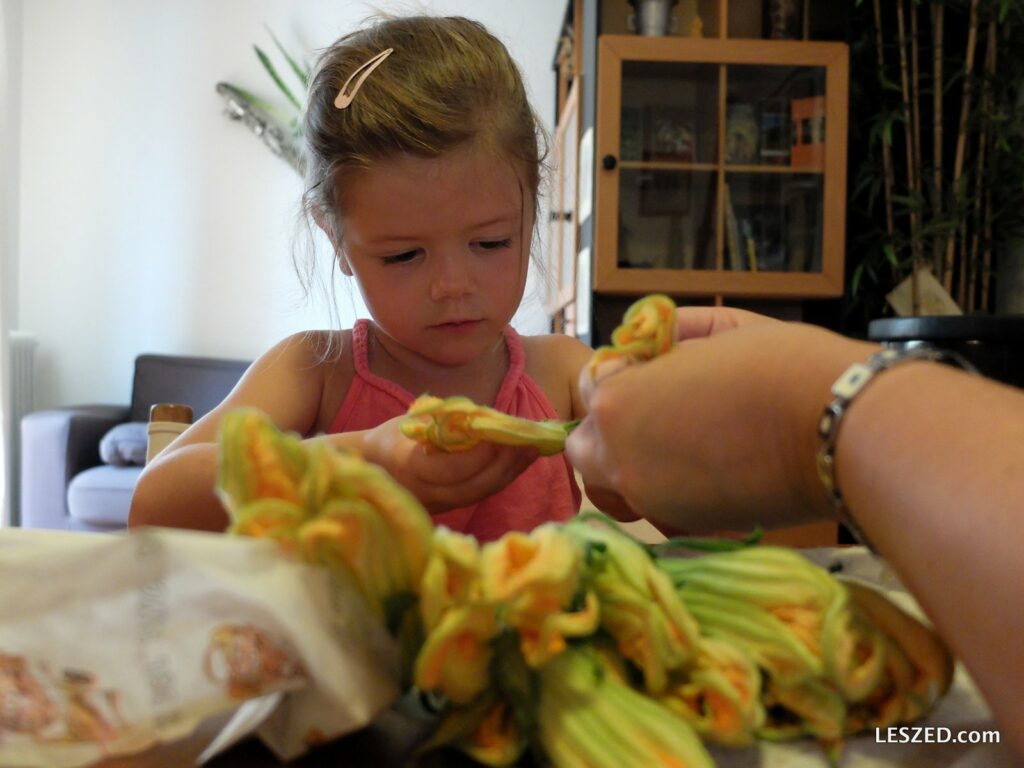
(101, 497)
(125, 444)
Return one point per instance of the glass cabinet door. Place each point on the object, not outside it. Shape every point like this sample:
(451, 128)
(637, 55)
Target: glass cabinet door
(719, 170)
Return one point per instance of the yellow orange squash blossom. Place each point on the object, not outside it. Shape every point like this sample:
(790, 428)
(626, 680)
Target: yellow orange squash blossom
(719, 694)
(648, 329)
(535, 577)
(451, 576)
(485, 729)
(257, 461)
(931, 663)
(330, 506)
(811, 606)
(589, 718)
(456, 655)
(457, 424)
(639, 606)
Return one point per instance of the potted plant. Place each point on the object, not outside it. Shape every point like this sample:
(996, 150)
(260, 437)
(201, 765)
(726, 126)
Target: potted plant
(280, 128)
(937, 162)
(937, 140)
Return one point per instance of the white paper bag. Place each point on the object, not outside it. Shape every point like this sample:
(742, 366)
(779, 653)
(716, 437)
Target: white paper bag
(111, 643)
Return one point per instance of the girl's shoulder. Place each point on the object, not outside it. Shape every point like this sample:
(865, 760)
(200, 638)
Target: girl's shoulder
(318, 364)
(554, 362)
(549, 348)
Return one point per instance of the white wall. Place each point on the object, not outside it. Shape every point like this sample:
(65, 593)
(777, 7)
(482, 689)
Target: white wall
(149, 222)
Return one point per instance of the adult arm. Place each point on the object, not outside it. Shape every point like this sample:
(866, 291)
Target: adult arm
(721, 433)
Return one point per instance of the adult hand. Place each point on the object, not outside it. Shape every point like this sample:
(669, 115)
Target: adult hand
(441, 480)
(719, 432)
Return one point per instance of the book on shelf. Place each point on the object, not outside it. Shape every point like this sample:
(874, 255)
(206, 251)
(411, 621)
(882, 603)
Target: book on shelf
(733, 237)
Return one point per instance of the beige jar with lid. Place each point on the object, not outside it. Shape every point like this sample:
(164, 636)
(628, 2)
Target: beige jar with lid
(166, 422)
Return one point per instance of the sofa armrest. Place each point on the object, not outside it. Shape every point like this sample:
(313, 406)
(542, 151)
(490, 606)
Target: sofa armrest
(55, 446)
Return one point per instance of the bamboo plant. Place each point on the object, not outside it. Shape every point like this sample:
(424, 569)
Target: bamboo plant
(280, 127)
(939, 196)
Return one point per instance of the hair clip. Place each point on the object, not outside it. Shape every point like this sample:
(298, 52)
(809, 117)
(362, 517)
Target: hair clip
(344, 99)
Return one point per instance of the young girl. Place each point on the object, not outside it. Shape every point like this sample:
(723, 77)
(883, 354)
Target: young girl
(423, 169)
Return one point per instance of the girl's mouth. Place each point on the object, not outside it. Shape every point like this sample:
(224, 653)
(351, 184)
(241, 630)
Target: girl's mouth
(457, 326)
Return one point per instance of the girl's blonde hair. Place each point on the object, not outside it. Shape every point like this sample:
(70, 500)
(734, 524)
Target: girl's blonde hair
(448, 83)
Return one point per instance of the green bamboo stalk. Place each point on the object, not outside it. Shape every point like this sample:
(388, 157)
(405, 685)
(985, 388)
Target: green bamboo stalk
(890, 226)
(938, 14)
(909, 109)
(961, 141)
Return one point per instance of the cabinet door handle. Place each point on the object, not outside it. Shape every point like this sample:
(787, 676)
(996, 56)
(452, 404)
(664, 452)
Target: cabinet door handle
(608, 162)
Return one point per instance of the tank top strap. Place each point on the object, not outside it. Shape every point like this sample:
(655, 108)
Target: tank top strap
(360, 356)
(516, 366)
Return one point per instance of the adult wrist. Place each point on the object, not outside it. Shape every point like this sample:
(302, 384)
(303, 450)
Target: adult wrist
(846, 392)
(821, 361)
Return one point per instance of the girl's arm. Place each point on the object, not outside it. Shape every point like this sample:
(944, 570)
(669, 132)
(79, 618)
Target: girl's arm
(301, 394)
(177, 488)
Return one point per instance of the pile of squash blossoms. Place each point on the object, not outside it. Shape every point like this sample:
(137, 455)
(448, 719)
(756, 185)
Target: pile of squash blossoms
(574, 643)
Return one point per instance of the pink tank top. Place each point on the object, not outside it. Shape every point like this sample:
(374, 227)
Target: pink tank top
(547, 490)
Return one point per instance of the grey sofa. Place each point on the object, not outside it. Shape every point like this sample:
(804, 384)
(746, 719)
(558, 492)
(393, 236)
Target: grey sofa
(65, 483)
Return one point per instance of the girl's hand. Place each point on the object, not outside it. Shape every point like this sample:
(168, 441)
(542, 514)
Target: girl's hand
(718, 433)
(440, 480)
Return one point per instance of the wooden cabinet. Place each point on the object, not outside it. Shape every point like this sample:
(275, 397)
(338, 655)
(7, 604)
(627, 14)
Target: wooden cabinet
(721, 167)
(713, 166)
(560, 250)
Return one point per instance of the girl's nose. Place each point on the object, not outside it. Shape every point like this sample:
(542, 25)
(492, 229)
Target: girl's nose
(451, 278)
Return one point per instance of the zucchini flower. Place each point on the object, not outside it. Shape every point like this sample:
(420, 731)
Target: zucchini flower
(885, 705)
(455, 658)
(331, 506)
(719, 695)
(589, 717)
(756, 632)
(349, 537)
(809, 708)
(457, 424)
(409, 528)
(817, 632)
(257, 461)
(931, 663)
(639, 607)
(648, 329)
(451, 576)
(536, 579)
(485, 729)
(269, 518)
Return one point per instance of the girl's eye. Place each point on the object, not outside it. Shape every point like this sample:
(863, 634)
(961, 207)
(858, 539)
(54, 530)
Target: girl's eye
(400, 258)
(494, 245)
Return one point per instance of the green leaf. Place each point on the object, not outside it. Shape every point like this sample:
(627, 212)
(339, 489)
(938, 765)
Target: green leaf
(267, 65)
(858, 274)
(300, 72)
(890, 254)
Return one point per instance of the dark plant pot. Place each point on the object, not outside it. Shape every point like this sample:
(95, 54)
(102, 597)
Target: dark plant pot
(993, 343)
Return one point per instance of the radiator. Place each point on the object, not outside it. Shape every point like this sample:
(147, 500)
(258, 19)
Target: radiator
(21, 350)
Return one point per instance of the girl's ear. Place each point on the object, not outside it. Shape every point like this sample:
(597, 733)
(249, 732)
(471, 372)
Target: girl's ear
(325, 225)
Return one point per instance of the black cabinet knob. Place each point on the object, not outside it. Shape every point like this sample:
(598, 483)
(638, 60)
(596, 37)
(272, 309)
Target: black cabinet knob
(608, 162)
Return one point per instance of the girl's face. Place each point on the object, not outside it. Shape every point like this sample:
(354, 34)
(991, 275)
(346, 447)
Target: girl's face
(439, 249)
